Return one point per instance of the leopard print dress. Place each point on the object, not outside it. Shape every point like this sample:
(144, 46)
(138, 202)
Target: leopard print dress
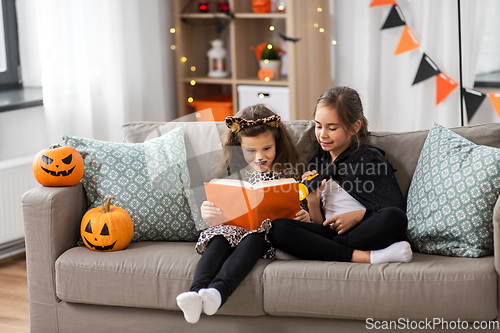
(235, 234)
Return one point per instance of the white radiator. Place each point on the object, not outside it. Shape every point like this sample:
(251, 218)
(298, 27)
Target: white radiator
(16, 177)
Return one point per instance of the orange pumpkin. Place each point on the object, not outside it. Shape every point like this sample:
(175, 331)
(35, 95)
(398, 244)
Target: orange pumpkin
(265, 74)
(107, 228)
(58, 166)
(261, 6)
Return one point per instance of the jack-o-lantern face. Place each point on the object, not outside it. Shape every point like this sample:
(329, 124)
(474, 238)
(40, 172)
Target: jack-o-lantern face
(58, 166)
(104, 232)
(107, 228)
(261, 6)
(265, 74)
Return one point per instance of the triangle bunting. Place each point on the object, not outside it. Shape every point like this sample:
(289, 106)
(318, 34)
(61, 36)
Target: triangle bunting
(376, 3)
(473, 100)
(407, 42)
(395, 18)
(495, 99)
(426, 69)
(444, 86)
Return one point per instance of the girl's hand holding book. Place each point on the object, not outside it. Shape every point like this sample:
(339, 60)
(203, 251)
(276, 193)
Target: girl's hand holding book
(303, 216)
(209, 210)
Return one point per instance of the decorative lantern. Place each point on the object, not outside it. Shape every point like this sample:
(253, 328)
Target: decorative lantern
(217, 59)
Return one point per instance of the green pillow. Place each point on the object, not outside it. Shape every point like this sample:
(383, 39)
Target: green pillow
(149, 180)
(452, 194)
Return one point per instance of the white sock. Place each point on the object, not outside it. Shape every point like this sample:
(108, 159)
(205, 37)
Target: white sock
(191, 304)
(397, 252)
(211, 300)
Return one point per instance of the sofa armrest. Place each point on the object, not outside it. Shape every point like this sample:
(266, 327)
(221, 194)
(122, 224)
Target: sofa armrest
(52, 217)
(496, 244)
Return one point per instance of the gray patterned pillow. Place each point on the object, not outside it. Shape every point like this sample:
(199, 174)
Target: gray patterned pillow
(149, 180)
(452, 194)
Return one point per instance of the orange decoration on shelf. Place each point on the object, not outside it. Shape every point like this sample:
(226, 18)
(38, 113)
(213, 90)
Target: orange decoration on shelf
(261, 6)
(266, 74)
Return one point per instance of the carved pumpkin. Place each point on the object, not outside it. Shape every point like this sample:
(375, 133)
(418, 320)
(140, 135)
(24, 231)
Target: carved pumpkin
(107, 228)
(261, 6)
(266, 74)
(58, 166)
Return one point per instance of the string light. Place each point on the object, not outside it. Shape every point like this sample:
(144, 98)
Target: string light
(184, 59)
(173, 47)
(269, 46)
(267, 79)
(192, 82)
(261, 95)
(334, 42)
(321, 30)
(271, 28)
(190, 99)
(198, 115)
(266, 61)
(319, 9)
(316, 25)
(172, 30)
(193, 68)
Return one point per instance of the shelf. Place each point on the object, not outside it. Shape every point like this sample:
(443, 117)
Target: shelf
(260, 16)
(209, 80)
(206, 16)
(307, 63)
(257, 82)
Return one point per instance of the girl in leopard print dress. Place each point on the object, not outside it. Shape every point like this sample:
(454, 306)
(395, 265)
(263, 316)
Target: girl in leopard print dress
(257, 147)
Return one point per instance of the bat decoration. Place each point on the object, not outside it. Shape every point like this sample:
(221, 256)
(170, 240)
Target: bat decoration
(289, 39)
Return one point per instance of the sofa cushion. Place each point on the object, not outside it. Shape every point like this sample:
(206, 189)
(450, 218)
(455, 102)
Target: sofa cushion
(125, 278)
(452, 194)
(149, 180)
(429, 286)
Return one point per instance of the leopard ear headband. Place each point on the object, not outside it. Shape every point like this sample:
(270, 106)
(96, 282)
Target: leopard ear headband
(236, 124)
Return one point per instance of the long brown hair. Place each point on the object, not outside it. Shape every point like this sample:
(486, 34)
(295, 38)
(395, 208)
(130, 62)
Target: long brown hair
(349, 109)
(287, 160)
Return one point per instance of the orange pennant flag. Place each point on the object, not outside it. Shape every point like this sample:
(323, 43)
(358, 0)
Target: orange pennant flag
(376, 3)
(407, 42)
(444, 86)
(495, 99)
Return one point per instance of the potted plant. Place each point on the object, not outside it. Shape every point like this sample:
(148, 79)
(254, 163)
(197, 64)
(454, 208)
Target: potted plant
(269, 56)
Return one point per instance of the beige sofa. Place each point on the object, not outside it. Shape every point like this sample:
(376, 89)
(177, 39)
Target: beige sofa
(73, 289)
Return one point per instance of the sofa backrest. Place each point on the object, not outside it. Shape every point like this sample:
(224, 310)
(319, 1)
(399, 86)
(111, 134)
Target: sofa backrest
(403, 149)
(203, 146)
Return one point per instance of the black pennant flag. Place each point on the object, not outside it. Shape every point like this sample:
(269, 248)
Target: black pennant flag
(426, 69)
(395, 18)
(473, 100)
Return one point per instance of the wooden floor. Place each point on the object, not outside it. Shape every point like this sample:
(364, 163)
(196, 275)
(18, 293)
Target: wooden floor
(14, 307)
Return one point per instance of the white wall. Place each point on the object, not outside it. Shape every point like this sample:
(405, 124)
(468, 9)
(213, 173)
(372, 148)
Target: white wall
(22, 132)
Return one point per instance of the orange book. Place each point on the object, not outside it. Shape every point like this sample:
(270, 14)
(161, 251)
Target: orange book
(246, 205)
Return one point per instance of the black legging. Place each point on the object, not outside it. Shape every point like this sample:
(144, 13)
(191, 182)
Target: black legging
(312, 241)
(224, 267)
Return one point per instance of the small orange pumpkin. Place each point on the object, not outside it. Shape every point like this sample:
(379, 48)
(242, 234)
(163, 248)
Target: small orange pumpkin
(107, 228)
(261, 6)
(265, 74)
(58, 166)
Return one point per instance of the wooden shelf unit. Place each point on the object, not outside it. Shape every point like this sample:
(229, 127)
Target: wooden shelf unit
(307, 61)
